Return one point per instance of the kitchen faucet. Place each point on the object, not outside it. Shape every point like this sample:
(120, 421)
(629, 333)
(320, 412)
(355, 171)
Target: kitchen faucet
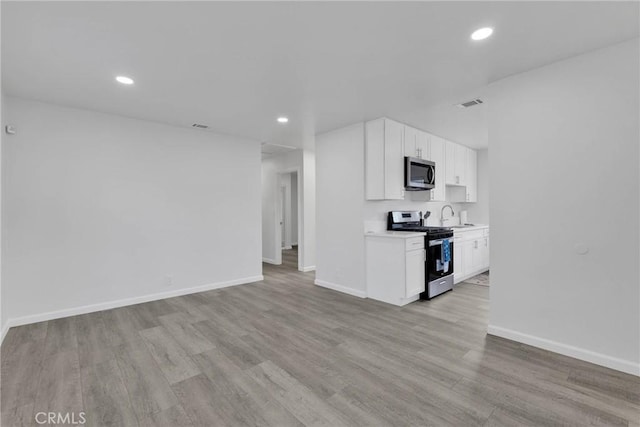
(442, 213)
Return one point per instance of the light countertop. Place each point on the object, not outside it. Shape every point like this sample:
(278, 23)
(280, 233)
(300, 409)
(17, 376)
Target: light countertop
(472, 228)
(395, 234)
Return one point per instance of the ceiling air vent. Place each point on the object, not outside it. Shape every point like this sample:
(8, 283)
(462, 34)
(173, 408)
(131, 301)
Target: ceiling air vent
(200, 126)
(470, 103)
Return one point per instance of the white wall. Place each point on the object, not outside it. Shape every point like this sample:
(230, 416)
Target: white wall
(478, 213)
(340, 210)
(270, 227)
(99, 208)
(3, 136)
(309, 210)
(466, 126)
(564, 177)
(3, 312)
(294, 208)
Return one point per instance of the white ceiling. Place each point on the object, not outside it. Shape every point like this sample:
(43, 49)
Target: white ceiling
(236, 66)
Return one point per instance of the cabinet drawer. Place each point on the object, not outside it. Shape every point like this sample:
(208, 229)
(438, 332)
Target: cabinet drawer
(413, 243)
(468, 235)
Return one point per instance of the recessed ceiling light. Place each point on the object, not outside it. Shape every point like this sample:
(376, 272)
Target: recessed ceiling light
(283, 119)
(124, 80)
(482, 33)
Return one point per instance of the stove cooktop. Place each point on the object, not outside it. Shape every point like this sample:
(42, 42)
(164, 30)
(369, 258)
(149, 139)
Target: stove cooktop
(428, 229)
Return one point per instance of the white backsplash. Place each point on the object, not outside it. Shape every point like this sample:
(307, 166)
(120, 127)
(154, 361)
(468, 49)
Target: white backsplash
(375, 212)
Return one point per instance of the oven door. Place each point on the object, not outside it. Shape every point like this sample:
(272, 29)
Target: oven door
(436, 267)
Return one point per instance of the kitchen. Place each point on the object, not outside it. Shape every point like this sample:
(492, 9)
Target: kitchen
(393, 154)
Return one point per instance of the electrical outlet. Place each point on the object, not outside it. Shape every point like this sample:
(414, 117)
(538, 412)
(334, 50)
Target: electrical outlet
(168, 281)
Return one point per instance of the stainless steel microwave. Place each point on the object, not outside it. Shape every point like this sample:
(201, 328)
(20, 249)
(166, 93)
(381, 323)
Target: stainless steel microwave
(419, 174)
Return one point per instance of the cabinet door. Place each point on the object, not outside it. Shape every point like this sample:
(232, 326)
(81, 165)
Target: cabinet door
(410, 138)
(472, 176)
(458, 262)
(393, 160)
(467, 257)
(485, 252)
(422, 144)
(415, 272)
(450, 163)
(477, 255)
(436, 154)
(460, 164)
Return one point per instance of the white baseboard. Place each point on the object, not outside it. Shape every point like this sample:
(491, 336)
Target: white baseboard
(5, 329)
(308, 269)
(567, 350)
(271, 261)
(340, 288)
(35, 318)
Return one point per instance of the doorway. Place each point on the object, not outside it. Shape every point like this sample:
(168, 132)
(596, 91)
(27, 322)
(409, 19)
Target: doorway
(289, 219)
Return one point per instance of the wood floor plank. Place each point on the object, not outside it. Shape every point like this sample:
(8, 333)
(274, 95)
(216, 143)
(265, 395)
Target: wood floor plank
(172, 359)
(94, 343)
(148, 389)
(19, 416)
(105, 396)
(122, 326)
(207, 404)
(170, 417)
(623, 386)
(230, 344)
(295, 397)
(245, 393)
(188, 337)
(60, 386)
(61, 336)
(20, 374)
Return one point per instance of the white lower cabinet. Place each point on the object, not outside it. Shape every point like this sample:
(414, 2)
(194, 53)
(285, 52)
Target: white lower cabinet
(458, 269)
(395, 267)
(470, 252)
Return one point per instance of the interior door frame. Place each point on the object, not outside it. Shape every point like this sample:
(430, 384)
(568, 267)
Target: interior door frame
(278, 230)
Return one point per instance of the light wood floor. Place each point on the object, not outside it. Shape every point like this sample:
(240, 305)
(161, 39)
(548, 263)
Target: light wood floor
(284, 352)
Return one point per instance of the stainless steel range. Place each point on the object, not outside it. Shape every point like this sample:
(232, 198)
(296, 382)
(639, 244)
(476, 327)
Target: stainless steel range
(439, 245)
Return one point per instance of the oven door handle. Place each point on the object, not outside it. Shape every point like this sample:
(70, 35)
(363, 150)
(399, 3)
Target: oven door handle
(437, 242)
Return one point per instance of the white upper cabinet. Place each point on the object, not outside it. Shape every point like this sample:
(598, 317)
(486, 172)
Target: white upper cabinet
(410, 137)
(384, 160)
(471, 176)
(422, 144)
(450, 163)
(416, 143)
(461, 174)
(456, 163)
(437, 155)
(461, 164)
(388, 142)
